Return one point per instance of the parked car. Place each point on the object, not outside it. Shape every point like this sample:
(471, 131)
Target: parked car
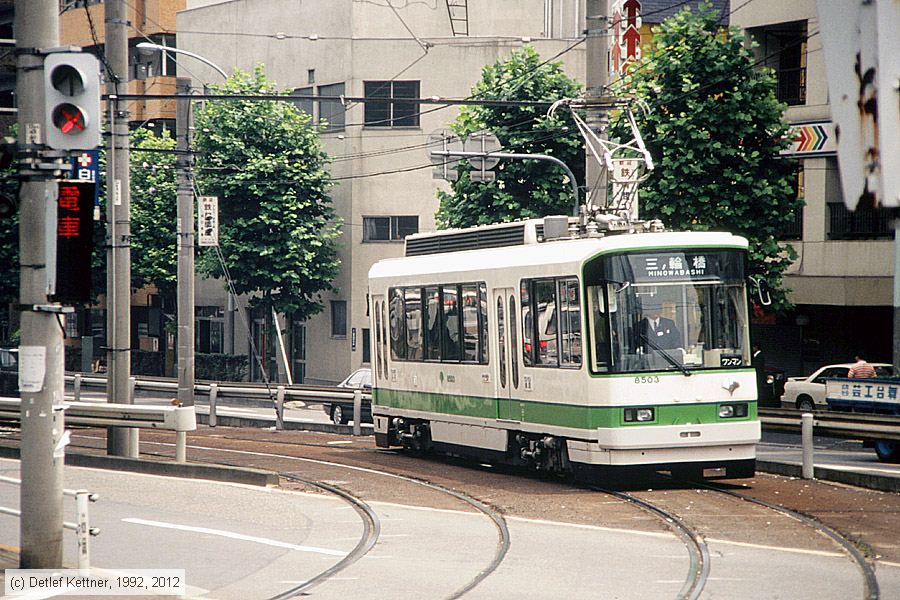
(808, 393)
(341, 412)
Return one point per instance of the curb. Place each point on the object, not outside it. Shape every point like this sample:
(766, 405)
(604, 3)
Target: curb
(863, 480)
(209, 472)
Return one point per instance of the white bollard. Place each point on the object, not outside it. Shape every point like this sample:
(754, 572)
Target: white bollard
(213, 395)
(806, 435)
(180, 446)
(84, 529)
(279, 408)
(357, 412)
(77, 387)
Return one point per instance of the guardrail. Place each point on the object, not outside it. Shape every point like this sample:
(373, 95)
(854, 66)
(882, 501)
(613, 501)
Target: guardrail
(82, 528)
(102, 414)
(277, 394)
(862, 426)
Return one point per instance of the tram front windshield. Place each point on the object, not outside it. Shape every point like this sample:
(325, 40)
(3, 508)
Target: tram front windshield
(667, 310)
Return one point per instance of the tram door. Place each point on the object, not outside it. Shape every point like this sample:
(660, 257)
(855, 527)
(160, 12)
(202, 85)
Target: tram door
(506, 373)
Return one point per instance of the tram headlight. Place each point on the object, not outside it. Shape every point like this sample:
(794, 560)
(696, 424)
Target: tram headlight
(639, 415)
(730, 411)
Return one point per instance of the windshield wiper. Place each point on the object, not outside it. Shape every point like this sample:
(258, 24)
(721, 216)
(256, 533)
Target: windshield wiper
(669, 358)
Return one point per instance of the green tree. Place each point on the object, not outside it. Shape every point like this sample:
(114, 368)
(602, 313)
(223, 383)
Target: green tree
(522, 189)
(154, 249)
(277, 230)
(9, 237)
(715, 131)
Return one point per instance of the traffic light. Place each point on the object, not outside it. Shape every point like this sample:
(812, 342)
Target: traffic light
(72, 100)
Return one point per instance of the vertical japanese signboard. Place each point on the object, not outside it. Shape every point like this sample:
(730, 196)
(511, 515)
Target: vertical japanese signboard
(208, 221)
(625, 36)
(74, 241)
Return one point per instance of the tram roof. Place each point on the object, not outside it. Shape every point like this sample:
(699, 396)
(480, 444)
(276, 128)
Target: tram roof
(572, 252)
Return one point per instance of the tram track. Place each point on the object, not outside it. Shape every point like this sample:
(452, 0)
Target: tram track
(871, 589)
(367, 542)
(698, 570)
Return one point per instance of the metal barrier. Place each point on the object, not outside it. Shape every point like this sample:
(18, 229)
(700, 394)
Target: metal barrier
(860, 426)
(277, 395)
(82, 528)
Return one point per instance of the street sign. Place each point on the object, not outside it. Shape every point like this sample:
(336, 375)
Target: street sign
(208, 221)
(74, 241)
(86, 167)
(444, 166)
(625, 177)
(812, 139)
(625, 35)
(862, 61)
(484, 142)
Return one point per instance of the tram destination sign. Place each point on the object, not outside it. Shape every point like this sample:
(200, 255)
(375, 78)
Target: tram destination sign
(713, 265)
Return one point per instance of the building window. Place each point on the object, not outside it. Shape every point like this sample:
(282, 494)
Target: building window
(339, 318)
(389, 229)
(392, 112)
(792, 229)
(862, 223)
(209, 332)
(328, 112)
(782, 48)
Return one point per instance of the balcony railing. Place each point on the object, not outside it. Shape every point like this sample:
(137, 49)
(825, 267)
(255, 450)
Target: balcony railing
(863, 223)
(794, 229)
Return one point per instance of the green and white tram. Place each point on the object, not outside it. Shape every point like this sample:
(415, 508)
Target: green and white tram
(530, 344)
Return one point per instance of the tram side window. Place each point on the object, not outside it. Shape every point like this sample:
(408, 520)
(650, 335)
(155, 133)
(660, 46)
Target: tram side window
(569, 322)
(551, 323)
(483, 356)
(413, 306)
(446, 323)
(397, 320)
(450, 334)
(599, 327)
(471, 335)
(432, 324)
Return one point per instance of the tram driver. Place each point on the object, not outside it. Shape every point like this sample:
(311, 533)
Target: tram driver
(658, 332)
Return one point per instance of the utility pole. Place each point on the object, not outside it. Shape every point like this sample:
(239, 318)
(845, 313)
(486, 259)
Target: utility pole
(185, 213)
(41, 351)
(120, 441)
(597, 80)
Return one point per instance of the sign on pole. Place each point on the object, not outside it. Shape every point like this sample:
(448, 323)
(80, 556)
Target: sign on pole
(208, 221)
(625, 35)
(74, 241)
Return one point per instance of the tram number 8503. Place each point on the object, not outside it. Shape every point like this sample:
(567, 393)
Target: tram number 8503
(647, 379)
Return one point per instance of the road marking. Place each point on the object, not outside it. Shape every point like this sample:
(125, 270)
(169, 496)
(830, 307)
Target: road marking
(335, 443)
(235, 536)
(781, 548)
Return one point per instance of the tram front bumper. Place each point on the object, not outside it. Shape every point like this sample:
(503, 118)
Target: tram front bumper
(636, 445)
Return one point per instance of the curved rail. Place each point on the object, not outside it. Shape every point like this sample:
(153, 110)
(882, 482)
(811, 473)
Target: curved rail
(870, 582)
(496, 518)
(371, 531)
(698, 571)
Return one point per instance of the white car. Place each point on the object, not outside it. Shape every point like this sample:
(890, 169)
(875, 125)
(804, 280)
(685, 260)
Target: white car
(808, 393)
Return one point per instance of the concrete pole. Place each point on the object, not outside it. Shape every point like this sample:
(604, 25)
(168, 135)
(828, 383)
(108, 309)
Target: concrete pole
(185, 214)
(118, 212)
(41, 492)
(597, 80)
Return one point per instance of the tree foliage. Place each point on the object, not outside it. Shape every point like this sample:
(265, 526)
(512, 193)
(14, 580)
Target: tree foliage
(276, 223)
(9, 237)
(715, 131)
(522, 189)
(154, 252)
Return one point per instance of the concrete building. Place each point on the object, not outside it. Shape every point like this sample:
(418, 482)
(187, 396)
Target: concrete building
(384, 186)
(842, 279)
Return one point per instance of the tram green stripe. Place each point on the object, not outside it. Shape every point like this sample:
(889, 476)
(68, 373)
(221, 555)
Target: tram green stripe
(547, 413)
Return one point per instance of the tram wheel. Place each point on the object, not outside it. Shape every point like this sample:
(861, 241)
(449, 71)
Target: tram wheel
(887, 451)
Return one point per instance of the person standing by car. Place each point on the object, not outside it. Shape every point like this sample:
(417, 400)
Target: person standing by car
(861, 368)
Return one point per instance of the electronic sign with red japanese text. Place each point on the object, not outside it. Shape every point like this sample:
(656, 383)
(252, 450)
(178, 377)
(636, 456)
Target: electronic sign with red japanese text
(74, 241)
